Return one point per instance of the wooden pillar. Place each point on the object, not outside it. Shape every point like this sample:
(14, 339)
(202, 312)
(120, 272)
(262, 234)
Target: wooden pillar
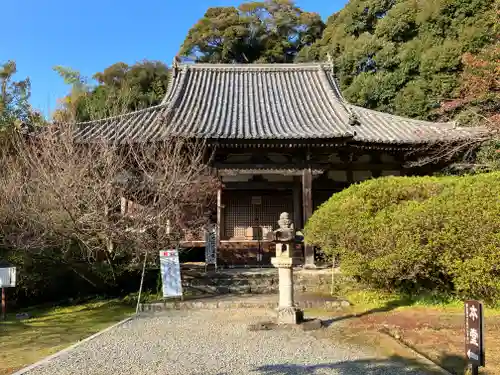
(307, 209)
(220, 216)
(375, 158)
(297, 206)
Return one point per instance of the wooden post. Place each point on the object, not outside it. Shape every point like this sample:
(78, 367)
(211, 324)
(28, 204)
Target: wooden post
(4, 305)
(307, 213)
(297, 207)
(220, 219)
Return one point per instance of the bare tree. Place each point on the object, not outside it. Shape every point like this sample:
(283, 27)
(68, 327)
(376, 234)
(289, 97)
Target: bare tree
(462, 152)
(108, 201)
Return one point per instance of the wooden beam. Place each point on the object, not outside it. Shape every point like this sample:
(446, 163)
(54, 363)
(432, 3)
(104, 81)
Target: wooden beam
(257, 185)
(307, 209)
(235, 170)
(318, 168)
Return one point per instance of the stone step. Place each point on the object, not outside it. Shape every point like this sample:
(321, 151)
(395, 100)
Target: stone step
(257, 288)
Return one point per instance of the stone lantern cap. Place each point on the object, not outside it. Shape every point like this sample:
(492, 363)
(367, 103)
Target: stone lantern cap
(286, 229)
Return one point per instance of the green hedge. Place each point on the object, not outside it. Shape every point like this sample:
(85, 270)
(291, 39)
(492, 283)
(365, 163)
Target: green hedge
(413, 234)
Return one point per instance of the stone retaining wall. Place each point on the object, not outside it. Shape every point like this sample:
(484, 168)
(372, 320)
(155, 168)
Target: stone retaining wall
(263, 281)
(233, 302)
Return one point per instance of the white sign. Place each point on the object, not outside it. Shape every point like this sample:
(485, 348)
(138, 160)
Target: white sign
(171, 273)
(8, 277)
(256, 200)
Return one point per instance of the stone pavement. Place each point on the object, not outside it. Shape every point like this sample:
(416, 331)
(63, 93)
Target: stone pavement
(217, 342)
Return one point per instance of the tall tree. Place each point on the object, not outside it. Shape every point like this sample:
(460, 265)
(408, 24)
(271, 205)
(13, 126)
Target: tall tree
(264, 31)
(404, 56)
(118, 89)
(15, 109)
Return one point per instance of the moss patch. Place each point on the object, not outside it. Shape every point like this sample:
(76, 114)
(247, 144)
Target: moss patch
(52, 329)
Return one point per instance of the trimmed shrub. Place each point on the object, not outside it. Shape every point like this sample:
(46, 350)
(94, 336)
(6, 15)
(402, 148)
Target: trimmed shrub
(415, 234)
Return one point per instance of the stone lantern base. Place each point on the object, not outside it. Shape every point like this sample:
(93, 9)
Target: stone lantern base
(290, 315)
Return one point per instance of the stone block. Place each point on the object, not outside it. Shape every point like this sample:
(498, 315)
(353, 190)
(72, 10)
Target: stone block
(311, 325)
(23, 316)
(345, 304)
(264, 326)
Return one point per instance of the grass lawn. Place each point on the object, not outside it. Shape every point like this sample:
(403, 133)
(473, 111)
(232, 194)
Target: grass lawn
(433, 329)
(24, 342)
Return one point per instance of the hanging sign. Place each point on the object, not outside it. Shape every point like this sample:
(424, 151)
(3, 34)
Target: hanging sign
(171, 273)
(256, 200)
(474, 329)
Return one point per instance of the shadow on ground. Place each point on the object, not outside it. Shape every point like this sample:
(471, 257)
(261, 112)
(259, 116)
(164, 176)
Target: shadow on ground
(394, 365)
(391, 305)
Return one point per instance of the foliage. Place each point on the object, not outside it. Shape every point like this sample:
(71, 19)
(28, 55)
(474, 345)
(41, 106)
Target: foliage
(407, 56)
(264, 31)
(120, 89)
(96, 210)
(15, 109)
(414, 234)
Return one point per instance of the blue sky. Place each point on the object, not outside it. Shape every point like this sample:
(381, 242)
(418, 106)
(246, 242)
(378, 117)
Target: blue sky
(90, 35)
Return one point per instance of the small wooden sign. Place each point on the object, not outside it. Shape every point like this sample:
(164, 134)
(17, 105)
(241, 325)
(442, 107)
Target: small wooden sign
(474, 333)
(256, 200)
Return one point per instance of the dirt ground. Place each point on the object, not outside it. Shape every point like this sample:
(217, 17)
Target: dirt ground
(436, 333)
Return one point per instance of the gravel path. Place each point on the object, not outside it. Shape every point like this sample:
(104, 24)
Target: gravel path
(214, 342)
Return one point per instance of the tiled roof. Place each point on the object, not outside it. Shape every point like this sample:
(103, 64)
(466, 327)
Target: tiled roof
(259, 102)
(379, 127)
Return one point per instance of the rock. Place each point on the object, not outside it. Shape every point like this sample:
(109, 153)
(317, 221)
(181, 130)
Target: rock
(345, 304)
(311, 325)
(23, 316)
(263, 326)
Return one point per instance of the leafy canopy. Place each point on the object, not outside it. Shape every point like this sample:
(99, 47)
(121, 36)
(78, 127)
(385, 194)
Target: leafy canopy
(405, 56)
(15, 109)
(271, 31)
(120, 88)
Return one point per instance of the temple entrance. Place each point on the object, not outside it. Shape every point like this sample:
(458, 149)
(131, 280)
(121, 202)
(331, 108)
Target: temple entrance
(252, 214)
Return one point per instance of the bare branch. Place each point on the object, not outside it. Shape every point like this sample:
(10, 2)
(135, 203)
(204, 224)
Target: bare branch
(139, 197)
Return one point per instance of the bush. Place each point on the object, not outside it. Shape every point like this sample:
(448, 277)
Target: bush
(413, 234)
(46, 276)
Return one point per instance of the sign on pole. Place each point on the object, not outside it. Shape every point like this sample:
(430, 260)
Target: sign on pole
(171, 273)
(7, 277)
(211, 246)
(7, 280)
(474, 334)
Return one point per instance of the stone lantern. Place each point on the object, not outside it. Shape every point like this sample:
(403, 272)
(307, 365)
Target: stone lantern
(284, 238)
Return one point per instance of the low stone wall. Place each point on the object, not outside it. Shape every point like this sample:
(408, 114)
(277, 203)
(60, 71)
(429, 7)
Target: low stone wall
(243, 301)
(258, 281)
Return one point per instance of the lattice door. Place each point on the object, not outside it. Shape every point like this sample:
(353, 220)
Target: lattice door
(252, 214)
